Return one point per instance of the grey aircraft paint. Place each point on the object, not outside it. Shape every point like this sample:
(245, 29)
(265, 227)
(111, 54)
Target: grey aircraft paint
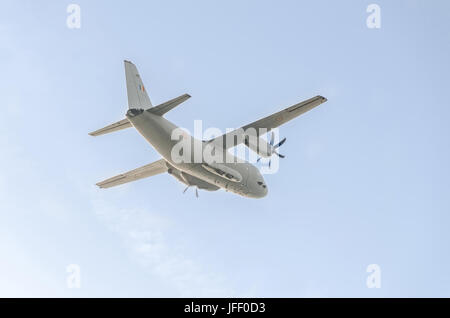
(238, 177)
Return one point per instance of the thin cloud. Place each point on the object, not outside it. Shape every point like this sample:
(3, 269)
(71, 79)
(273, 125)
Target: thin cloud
(143, 233)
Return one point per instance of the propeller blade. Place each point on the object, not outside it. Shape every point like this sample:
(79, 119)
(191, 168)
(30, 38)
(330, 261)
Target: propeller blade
(270, 162)
(280, 143)
(196, 192)
(280, 155)
(185, 189)
(259, 158)
(272, 138)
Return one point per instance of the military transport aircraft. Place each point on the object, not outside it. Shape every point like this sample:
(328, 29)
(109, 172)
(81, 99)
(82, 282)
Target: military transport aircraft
(240, 177)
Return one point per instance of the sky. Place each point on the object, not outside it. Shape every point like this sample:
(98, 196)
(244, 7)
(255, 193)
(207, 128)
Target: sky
(365, 179)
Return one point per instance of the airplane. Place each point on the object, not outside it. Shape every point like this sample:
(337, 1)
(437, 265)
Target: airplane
(239, 177)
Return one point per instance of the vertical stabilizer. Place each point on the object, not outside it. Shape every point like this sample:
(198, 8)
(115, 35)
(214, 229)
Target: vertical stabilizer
(137, 94)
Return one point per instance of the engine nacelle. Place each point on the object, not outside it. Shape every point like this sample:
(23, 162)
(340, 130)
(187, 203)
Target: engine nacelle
(260, 146)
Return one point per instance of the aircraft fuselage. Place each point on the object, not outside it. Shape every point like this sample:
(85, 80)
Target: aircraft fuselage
(241, 178)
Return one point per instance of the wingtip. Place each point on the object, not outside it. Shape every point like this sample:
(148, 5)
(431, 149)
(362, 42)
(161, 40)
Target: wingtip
(94, 133)
(324, 99)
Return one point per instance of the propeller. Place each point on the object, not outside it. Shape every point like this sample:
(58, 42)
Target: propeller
(272, 139)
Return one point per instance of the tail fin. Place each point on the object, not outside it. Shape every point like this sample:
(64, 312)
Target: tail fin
(138, 98)
(137, 95)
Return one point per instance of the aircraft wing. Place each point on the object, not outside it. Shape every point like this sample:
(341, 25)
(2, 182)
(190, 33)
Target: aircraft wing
(149, 170)
(271, 121)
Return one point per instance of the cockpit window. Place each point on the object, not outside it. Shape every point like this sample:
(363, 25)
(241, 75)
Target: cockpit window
(261, 184)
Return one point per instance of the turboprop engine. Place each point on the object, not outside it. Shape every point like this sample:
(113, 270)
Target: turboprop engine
(263, 148)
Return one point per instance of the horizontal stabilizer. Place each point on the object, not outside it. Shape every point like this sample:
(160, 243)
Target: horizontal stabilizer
(149, 170)
(165, 107)
(124, 123)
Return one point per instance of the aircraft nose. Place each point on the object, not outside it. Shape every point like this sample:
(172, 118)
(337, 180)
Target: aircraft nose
(257, 193)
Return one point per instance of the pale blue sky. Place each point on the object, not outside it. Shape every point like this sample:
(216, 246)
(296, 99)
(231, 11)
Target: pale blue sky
(366, 178)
